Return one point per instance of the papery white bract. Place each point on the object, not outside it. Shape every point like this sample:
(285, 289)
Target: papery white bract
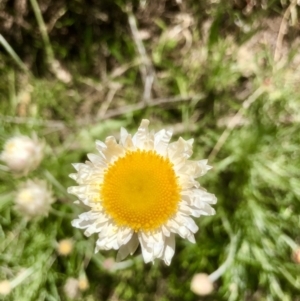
(22, 154)
(141, 191)
(33, 199)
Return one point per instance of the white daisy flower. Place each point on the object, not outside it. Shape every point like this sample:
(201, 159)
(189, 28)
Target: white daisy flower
(33, 199)
(22, 154)
(141, 190)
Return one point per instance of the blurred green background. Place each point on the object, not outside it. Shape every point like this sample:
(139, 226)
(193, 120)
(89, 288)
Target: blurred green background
(225, 73)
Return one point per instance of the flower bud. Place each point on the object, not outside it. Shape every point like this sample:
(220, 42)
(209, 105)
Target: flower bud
(65, 247)
(83, 283)
(201, 285)
(34, 199)
(71, 288)
(22, 154)
(296, 256)
(5, 287)
(108, 264)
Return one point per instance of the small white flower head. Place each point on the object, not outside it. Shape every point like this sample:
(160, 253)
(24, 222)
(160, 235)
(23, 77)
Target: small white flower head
(34, 198)
(141, 191)
(5, 287)
(71, 288)
(201, 284)
(22, 154)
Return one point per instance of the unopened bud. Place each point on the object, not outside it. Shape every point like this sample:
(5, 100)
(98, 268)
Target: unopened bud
(108, 263)
(83, 283)
(201, 284)
(5, 287)
(296, 256)
(71, 288)
(65, 247)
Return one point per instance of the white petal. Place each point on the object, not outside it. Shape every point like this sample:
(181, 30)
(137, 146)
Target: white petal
(181, 148)
(183, 225)
(187, 182)
(90, 230)
(191, 225)
(81, 224)
(108, 237)
(90, 215)
(191, 238)
(199, 195)
(158, 249)
(179, 164)
(207, 210)
(194, 169)
(165, 231)
(123, 135)
(149, 142)
(199, 200)
(141, 135)
(128, 248)
(101, 146)
(93, 222)
(73, 176)
(154, 242)
(124, 235)
(84, 192)
(169, 249)
(203, 168)
(161, 141)
(183, 231)
(97, 160)
(128, 143)
(147, 251)
(77, 166)
(114, 150)
(187, 209)
(75, 190)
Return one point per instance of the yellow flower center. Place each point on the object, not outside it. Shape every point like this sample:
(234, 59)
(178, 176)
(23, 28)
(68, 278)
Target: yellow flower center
(140, 190)
(11, 147)
(25, 196)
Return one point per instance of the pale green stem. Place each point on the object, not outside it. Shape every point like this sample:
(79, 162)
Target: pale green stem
(55, 183)
(221, 270)
(290, 242)
(122, 265)
(43, 30)
(21, 277)
(12, 53)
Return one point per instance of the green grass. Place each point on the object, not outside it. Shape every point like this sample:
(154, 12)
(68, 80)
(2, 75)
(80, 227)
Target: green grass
(195, 51)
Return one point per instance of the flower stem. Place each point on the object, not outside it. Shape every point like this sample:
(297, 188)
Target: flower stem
(43, 30)
(220, 271)
(13, 54)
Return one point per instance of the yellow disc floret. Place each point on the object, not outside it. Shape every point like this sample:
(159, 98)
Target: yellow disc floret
(140, 190)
